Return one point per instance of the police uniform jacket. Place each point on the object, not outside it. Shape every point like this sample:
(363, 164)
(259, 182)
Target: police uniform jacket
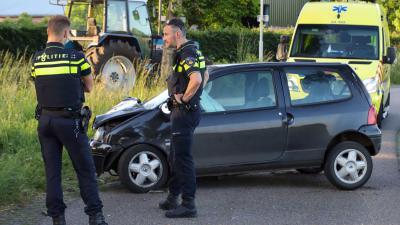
(57, 73)
(188, 60)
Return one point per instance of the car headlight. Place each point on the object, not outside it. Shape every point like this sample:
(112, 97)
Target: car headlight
(371, 84)
(99, 134)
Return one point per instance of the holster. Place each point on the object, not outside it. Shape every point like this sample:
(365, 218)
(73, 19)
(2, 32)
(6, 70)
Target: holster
(86, 114)
(172, 104)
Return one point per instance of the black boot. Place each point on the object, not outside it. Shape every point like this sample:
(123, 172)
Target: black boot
(59, 220)
(170, 203)
(97, 219)
(186, 210)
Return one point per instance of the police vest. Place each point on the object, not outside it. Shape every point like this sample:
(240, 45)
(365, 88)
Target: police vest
(57, 73)
(188, 59)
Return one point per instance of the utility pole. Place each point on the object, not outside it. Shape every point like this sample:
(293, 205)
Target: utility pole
(159, 17)
(261, 43)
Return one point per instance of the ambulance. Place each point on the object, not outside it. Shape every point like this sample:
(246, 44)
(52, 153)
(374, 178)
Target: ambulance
(354, 33)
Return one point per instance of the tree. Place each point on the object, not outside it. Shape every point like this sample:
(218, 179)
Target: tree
(392, 8)
(219, 13)
(209, 13)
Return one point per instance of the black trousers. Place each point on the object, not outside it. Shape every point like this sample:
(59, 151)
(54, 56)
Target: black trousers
(183, 179)
(54, 133)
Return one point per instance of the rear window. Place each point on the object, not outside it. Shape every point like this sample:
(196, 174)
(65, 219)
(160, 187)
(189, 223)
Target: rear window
(316, 85)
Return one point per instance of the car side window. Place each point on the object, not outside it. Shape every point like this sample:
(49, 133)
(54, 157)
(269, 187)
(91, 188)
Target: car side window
(238, 91)
(315, 85)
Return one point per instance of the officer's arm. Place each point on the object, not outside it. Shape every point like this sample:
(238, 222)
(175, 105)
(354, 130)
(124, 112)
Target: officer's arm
(87, 78)
(193, 86)
(88, 83)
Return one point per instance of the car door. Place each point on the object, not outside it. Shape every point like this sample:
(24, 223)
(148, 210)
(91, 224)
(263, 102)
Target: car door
(241, 121)
(317, 109)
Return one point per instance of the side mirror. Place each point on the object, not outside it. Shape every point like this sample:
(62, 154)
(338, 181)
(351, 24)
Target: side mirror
(390, 57)
(164, 109)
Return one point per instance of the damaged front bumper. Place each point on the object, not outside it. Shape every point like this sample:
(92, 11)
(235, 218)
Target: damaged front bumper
(100, 151)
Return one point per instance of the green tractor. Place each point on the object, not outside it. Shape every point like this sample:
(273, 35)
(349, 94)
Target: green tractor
(113, 34)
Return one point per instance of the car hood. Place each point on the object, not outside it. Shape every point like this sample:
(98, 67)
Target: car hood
(126, 108)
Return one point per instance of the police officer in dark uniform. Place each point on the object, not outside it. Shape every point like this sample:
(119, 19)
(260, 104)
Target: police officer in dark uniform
(61, 76)
(185, 86)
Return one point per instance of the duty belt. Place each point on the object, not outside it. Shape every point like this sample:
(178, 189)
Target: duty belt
(62, 113)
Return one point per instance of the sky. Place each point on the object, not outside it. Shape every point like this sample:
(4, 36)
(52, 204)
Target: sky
(32, 7)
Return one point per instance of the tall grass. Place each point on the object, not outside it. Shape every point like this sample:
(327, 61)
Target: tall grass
(21, 165)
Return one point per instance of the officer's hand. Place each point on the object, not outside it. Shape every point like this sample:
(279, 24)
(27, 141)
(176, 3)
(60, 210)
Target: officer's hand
(178, 98)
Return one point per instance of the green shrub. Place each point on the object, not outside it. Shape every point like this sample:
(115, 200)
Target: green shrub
(225, 45)
(395, 41)
(395, 71)
(20, 39)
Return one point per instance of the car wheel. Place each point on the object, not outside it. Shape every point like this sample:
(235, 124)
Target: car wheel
(348, 166)
(314, 170)
(143, 168)
(380, 116)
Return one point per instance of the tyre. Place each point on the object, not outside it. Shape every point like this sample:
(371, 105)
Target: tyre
(113, 64)
(348, 166)
(380, 117)
(387, 106)
(143, 168)
(383, 111)
(314, 170)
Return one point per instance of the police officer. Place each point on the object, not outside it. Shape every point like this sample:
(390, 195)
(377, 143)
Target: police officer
(184, 88)
(61, 76)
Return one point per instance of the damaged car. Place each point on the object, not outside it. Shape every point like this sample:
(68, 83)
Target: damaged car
(311, 117)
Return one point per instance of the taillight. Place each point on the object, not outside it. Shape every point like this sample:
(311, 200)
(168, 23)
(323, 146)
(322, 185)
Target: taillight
(372, 116)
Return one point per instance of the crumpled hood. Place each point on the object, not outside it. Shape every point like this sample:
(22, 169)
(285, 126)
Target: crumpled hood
(126, 108)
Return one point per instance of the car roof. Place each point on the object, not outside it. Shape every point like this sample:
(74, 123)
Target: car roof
(223, 67)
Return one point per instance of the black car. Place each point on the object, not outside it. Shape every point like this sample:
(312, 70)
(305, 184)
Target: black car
(306, 116)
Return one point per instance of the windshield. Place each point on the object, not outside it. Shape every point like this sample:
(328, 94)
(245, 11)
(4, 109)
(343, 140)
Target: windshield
(79, 17)
(156, 101)
(336, 41)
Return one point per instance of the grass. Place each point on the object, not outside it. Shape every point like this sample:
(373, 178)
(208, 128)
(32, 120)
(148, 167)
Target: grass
(21, 165)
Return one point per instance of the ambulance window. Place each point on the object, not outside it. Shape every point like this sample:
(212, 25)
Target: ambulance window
(316, 85)
(336, 41)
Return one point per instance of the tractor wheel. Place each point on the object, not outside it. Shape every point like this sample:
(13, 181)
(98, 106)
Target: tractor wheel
(113, 64)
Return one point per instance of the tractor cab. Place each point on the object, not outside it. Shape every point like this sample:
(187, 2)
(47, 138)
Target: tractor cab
(113, 34)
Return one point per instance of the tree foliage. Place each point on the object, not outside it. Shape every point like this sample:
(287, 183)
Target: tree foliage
(212, 13)
(392, 8)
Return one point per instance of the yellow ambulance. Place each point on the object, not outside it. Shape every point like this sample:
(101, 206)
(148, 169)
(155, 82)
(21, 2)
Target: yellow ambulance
(355, 33)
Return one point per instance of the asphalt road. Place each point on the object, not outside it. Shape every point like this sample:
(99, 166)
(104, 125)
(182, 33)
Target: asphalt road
(271, 198)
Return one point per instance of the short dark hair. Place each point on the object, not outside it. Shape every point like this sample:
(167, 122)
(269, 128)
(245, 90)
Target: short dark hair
(177, 23)
(57, 24)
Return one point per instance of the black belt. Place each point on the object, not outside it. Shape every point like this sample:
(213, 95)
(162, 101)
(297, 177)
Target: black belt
(61, 113)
